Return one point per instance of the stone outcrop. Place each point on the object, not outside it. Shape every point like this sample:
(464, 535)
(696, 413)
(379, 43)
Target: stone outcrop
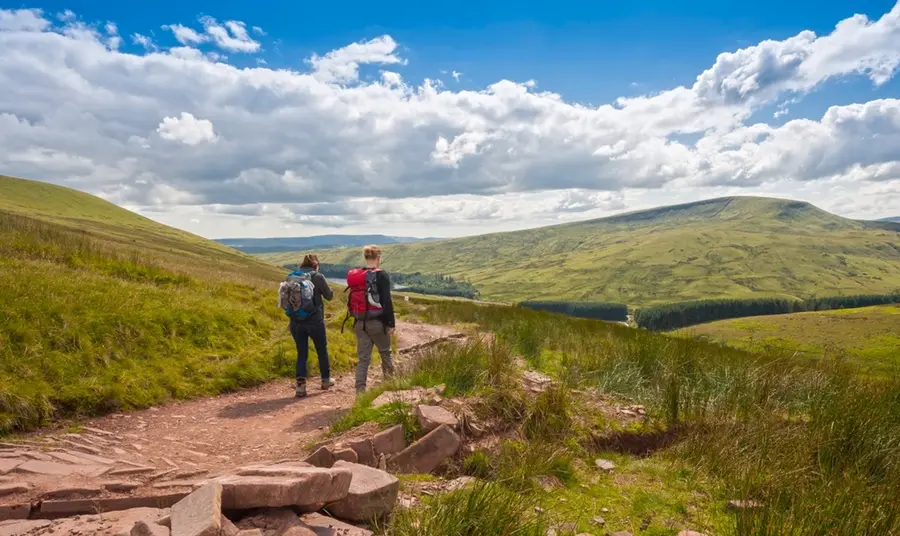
(372, 494)
(430, 417)
(426, 454)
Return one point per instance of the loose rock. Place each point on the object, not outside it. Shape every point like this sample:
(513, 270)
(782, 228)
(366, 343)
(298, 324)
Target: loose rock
(321, 525)
(430, 417)
(742, 505)
(426, 454)
(372, 494)
(200, 513)
(299, 531)
(605, 465)
(390, 441)
(143, 528)
(321, 458)
(690, 533)
(346, 455)
(365, 452)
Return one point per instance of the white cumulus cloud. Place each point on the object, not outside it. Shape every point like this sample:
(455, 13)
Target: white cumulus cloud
(329, 148)
(186, 129)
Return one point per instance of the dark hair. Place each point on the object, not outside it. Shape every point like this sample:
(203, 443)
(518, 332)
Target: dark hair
(310, 261)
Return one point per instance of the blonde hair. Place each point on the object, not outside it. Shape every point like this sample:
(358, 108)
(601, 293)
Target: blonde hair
(371, 252)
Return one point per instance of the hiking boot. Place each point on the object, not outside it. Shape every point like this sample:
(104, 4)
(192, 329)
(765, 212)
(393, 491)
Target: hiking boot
(300, 392)
(327, 383)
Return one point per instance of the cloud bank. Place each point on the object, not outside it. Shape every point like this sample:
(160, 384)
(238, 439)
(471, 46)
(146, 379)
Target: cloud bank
(184, 135)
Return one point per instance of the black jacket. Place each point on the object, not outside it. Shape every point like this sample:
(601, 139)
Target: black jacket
(383, 282)
(322, 290)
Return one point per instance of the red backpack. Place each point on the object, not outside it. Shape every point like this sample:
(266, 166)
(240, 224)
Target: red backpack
(364, 300)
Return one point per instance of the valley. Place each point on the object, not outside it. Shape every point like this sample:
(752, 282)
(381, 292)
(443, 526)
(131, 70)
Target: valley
(740, 247)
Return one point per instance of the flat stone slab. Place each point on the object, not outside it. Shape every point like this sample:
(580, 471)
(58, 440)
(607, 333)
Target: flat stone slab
(390, 441)
(15, 511)
(13, 488)
(372, 494)
(8, 464)
(21, 527)
(38, 467)
(121, 486)
(427, 454)
(430, 417)
(200, 513)
(327, 526)
(68, 493)
(63, 508)
(306, 486)
(131, 471)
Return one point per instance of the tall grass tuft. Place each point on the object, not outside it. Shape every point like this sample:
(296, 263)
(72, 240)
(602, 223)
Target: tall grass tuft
(480, 510)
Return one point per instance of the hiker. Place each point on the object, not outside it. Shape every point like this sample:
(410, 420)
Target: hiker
(301, 298)
(371, 307)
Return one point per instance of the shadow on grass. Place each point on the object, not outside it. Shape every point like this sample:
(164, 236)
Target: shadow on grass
(642, 443)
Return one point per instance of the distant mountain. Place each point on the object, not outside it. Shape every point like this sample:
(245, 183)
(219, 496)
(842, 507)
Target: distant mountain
(737, 247)
(306, 243)
(894, 219)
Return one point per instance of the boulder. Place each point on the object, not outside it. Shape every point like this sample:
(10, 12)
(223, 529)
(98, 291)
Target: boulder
(145, 528)
(304, 486)
(200, 513)
(390, 441)
(321, 458)
(372, 494)
(430, 417)
(365, 451)
(326, 526)
(426, 454)
(346, 455)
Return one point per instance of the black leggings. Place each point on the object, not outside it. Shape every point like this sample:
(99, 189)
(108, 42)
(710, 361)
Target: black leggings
(302, 332)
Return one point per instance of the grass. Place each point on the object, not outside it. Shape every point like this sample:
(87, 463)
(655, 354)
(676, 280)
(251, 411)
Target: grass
(815, 442)
(868, 337)
(109, 311)
(737, 247)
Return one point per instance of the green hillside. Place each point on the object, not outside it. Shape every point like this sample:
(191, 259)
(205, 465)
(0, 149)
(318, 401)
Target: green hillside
(105, 310)
(868, 336)
(728, 247)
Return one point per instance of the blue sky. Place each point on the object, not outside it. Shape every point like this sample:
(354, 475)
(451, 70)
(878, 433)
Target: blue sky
(321, 120)
(589, 52)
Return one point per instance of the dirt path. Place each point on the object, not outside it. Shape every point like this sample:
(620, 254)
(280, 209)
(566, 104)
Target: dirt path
(165, 449)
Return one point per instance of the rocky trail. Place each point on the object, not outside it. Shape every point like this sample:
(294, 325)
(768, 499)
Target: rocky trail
(152, 459)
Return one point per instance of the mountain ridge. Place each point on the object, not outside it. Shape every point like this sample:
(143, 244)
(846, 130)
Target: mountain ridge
(329, 241)
(741, 246)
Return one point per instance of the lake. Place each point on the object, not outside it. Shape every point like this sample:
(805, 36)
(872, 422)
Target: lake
(343, 283)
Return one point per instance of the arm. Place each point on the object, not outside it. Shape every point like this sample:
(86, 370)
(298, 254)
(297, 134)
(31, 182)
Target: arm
(387, 303)
(322, 285)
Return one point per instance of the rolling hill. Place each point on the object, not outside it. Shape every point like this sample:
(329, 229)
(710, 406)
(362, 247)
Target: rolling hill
(726, 247)
(868, 336)
(895, 219)
(105, 310)
(275, 245)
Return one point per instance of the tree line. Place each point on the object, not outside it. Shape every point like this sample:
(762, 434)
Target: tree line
(439, 285)
(678, 315)
(617, 312)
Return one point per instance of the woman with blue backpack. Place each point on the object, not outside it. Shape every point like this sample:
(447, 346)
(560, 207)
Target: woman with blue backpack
(301, 297)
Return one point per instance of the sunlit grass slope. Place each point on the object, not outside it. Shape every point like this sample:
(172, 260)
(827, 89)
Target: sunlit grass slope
(105, 310)
(869, 336)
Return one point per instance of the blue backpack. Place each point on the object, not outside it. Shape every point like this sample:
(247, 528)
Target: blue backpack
(296, 295)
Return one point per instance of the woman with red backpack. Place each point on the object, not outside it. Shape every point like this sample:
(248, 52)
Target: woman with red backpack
(372, 309)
